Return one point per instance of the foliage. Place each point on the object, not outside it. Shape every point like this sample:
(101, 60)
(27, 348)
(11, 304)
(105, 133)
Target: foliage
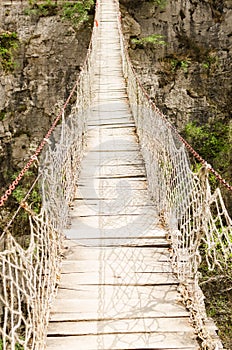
(179, 62)
(48, 8)
(184, 65)
(76, 12)
(17, 346)
(212, 141)
(210, 61)
(153, 39)
(2, 115)
(8, 44)
(159, 3)
(21, 190)
(216, 286)
(20, 225)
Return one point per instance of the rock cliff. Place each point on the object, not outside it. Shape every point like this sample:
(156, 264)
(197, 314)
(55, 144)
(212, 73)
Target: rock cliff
(182, 52)
(48, 58)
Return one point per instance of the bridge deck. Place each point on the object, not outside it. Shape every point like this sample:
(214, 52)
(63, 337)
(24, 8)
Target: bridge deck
(117, 289)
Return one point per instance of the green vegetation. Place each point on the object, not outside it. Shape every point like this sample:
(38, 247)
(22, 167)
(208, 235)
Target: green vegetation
(17, 346)
(8, 45)
(212, 141)
(217, 288)
(210, 61)
(2, 115)
(75, 12)
(21, 225)
(153, 39)
(180, 63)
(20, 192)
(159, 3)
(48, 8)
(184, 65)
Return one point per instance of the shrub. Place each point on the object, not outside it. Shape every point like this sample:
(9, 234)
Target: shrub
(154, 40)
(8, 44)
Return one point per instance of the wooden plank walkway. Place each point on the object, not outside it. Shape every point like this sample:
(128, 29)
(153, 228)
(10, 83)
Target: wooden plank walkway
(117, 289)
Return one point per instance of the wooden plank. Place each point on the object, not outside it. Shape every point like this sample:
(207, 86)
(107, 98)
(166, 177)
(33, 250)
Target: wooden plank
(117, 241)
(108, 226)
(123, 326)
(125, 134)
(114, 235)
(134, 183)
(123, 278)
(144, 223)
(180, 340)
(120, 188)
(78, 310)
(108, 145)
(114, 206)
(137, 226)
(93, 209)
(142, 266)
(116, 171)
(73, 251)
(116, 156)
(166, 293)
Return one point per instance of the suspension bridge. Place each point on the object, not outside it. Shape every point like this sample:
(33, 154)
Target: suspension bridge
(113, 257)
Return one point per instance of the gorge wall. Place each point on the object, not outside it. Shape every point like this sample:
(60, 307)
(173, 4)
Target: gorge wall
(182, 52)
(47, 60)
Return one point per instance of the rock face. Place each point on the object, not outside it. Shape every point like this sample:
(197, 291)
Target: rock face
(48, 60)
(196, 55)
(188, 76)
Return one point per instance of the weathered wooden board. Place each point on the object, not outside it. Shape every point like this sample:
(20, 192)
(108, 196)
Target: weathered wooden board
(111, 239)
(173, 340)
(123, 326)
(145, 265)
(78, 310)
(146, 293)
(113, 132)
(143, 225)
(115, 171)
(118, 157)
(116, 278)
(90, 209)
(73, 251)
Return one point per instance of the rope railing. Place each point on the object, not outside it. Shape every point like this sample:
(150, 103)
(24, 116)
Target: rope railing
(29, 274)
(194, 216)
